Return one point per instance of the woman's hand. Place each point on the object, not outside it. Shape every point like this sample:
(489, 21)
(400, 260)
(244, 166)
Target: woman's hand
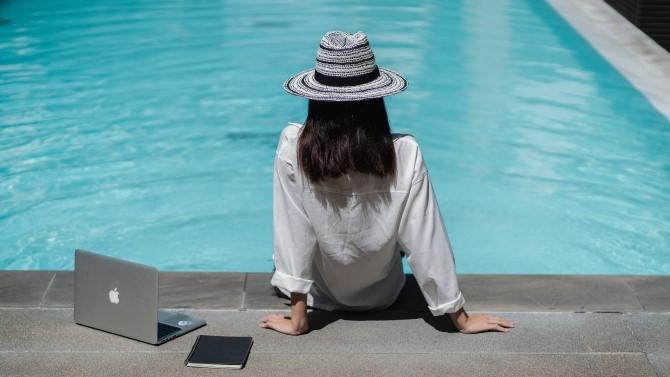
(296, 324)
(284, 324)
(476, 323)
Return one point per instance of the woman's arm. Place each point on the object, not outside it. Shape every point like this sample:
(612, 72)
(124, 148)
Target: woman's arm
(296, 324)
(423, 237)
(472, 324)
(294, 238)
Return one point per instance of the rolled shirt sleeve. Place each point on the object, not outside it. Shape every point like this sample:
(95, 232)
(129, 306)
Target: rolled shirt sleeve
(423, 237)
(294, 239)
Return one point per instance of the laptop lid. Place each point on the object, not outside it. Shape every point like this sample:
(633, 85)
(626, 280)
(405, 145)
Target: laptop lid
(115, 295)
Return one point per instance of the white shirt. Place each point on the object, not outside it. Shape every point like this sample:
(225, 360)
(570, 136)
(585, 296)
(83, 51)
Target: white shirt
(339, 241)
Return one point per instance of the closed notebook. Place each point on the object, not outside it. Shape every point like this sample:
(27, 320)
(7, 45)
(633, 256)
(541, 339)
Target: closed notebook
(211, 351)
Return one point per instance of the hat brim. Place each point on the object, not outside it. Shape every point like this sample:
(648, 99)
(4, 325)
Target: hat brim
(303, 84)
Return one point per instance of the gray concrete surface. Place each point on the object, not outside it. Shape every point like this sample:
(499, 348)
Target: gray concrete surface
(47, 342)
(565, 326)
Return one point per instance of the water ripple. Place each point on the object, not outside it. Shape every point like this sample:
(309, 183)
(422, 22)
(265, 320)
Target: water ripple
(146, 129)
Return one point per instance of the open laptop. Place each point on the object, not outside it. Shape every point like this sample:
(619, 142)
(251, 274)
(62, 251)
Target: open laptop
(121, 297)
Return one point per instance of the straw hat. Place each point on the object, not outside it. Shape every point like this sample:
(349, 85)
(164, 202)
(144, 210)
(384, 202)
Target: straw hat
(345, 71)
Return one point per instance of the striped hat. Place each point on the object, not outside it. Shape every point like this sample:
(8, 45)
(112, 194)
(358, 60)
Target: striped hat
(345, 71)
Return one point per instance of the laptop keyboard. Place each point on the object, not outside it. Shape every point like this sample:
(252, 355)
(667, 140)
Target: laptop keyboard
(164, 330)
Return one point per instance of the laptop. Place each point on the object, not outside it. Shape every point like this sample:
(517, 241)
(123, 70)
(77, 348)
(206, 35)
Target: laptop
(121, 297)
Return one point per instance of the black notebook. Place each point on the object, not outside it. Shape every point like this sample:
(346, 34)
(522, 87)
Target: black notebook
(211, 351)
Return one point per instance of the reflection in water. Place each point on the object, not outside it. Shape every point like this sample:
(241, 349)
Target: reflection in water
(264, 137)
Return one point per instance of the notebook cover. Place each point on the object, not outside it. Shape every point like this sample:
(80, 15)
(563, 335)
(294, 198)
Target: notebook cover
(219, 351)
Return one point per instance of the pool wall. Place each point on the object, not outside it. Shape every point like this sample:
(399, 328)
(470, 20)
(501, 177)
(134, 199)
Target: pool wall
(650, 16)
(642, 61)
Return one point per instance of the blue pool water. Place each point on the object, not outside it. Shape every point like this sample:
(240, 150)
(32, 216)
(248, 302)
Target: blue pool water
(147, 129)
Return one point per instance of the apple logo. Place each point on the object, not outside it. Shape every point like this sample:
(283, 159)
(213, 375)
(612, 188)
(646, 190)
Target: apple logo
(114, 296)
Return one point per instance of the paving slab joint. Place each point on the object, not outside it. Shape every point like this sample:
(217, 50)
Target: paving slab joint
(243, 305)
(637, 297)
(44, 295)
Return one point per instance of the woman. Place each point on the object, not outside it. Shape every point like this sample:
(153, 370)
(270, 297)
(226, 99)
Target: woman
(350, 198)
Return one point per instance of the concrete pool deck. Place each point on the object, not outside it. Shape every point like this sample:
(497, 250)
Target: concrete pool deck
(565, 325)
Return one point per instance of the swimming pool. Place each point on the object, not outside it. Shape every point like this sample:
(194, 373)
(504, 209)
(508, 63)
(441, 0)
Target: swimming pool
(147, 129)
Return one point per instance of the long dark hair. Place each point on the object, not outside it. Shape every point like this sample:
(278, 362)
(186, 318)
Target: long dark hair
(343, 137)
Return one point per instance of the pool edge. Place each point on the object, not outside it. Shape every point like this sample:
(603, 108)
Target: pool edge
(642, 61)
(252, 291)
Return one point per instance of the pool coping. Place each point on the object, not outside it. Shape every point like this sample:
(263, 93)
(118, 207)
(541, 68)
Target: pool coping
(252, 291)
(642, 61)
